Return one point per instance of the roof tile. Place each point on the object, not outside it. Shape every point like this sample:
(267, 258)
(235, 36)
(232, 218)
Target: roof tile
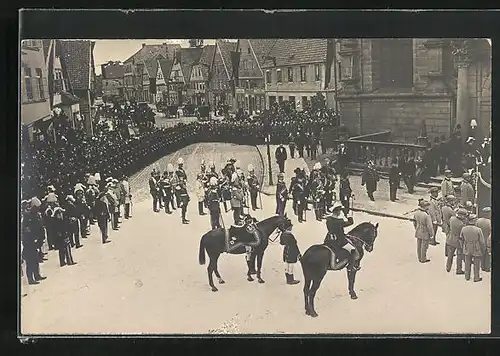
(77, 58)
(296, 51)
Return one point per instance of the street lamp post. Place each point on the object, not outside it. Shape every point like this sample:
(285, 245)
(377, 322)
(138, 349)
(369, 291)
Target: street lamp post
(268, 139)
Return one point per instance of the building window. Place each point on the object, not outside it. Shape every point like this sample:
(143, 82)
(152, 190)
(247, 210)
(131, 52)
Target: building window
(290, 75)
(248, 50)
(347, 70)
(291, 99)
(272, 100)
(280, 99)
(280, 78)
(268, 76)
(58, 81)
(303, 74)
(396, 63)
(317, 72)
(304, 101)
(27, 83)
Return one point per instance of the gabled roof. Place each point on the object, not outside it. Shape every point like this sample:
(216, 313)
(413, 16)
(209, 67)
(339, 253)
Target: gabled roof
(149, 51)
(297, 51)
(189, 57)
(151, 65)
(207, 56)
(77, 56)
(261, 48)
(224, 49)
(253, 70)
(166, 67)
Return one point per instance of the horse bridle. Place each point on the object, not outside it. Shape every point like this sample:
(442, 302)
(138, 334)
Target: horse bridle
(363, 243)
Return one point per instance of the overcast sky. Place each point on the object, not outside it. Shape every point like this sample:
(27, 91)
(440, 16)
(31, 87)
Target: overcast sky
(120, 50)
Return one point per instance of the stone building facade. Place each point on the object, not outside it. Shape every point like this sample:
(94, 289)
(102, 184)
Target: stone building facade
(394, 84)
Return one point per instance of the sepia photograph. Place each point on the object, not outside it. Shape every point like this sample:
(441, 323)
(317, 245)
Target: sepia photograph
(271, 186)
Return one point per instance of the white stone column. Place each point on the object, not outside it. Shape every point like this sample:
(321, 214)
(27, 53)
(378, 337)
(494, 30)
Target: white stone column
(463, 98)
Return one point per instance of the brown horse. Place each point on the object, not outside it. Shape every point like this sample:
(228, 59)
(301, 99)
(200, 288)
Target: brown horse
(316, 261)
(214, 243)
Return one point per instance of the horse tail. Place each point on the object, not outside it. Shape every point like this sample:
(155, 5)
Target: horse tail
(201, 257)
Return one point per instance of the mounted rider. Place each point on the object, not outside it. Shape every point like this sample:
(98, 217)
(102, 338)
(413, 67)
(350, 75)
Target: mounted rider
(336, 238)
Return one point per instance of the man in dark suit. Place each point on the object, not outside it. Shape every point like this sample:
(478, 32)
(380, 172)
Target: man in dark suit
(281, 157)
(343, 158)
(154, 191)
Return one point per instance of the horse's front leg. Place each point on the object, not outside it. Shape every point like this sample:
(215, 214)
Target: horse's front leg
(216, 271)
(260, 257)
(211, 267)
(351, 277)
(250, 257)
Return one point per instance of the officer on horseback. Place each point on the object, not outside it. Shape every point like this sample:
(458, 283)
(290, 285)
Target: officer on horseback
(336, 239)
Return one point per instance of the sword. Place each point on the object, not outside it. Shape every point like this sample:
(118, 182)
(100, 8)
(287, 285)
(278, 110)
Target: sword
(221, 219)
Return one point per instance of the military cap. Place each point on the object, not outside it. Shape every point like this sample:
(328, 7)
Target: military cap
(433, 190)
(462, 212)
(423, 203)
(281, 176)
(447, 171)
(472, 217)
(450, 197)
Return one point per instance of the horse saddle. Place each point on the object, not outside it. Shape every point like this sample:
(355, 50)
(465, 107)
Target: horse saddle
(246, 235)
(336, 263)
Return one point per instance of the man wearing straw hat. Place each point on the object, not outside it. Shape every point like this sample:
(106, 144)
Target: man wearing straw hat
(474, 247)
(424, 231)
(435, 213)
(484, 223)
(453, 240)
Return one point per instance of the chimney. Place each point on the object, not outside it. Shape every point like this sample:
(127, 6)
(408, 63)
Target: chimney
(143, 45)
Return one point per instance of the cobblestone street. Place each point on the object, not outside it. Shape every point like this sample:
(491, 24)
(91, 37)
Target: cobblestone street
(148, 280)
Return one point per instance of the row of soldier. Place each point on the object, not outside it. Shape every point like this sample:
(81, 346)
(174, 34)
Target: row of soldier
(467, 236)
(63, 222)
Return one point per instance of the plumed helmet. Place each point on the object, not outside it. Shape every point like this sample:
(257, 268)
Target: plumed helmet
(213, 181)
(35, 202)
(180, 161)
(91, 180)
(250, 168)
(202, 162)
(51, 198)
(212, 164)
(317, 166)
(170, 167)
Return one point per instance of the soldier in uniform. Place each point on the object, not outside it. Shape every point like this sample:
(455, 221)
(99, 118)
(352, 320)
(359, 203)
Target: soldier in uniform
(62, 238)
(447, 185)
(281, 195)
(291, 253)
(370, 178)
(112, 204)
(200, 193)
(318, 194)
(293, 181)
(184, 199)
(466, 190)
(32, 233)
(291, 145)
(253, 186)
(90, 195)
(212, 172)
(345, 191)
(453, 243)
(127, 196)
(236, 199)
(424, 231)
(394, 178)
(225, 188)
(474, 247)
(435, 213)
(299, 195)
(336, 221)
(173, 181)
(72, 215)
(484, 223)
(213, 199)
(103, 215)
(154, 190)
(447, 211)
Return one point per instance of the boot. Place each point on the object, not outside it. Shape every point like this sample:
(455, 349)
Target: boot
(290, 280)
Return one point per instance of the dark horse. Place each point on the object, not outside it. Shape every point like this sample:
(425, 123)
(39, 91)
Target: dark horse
(214, 242)
(316, 261)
